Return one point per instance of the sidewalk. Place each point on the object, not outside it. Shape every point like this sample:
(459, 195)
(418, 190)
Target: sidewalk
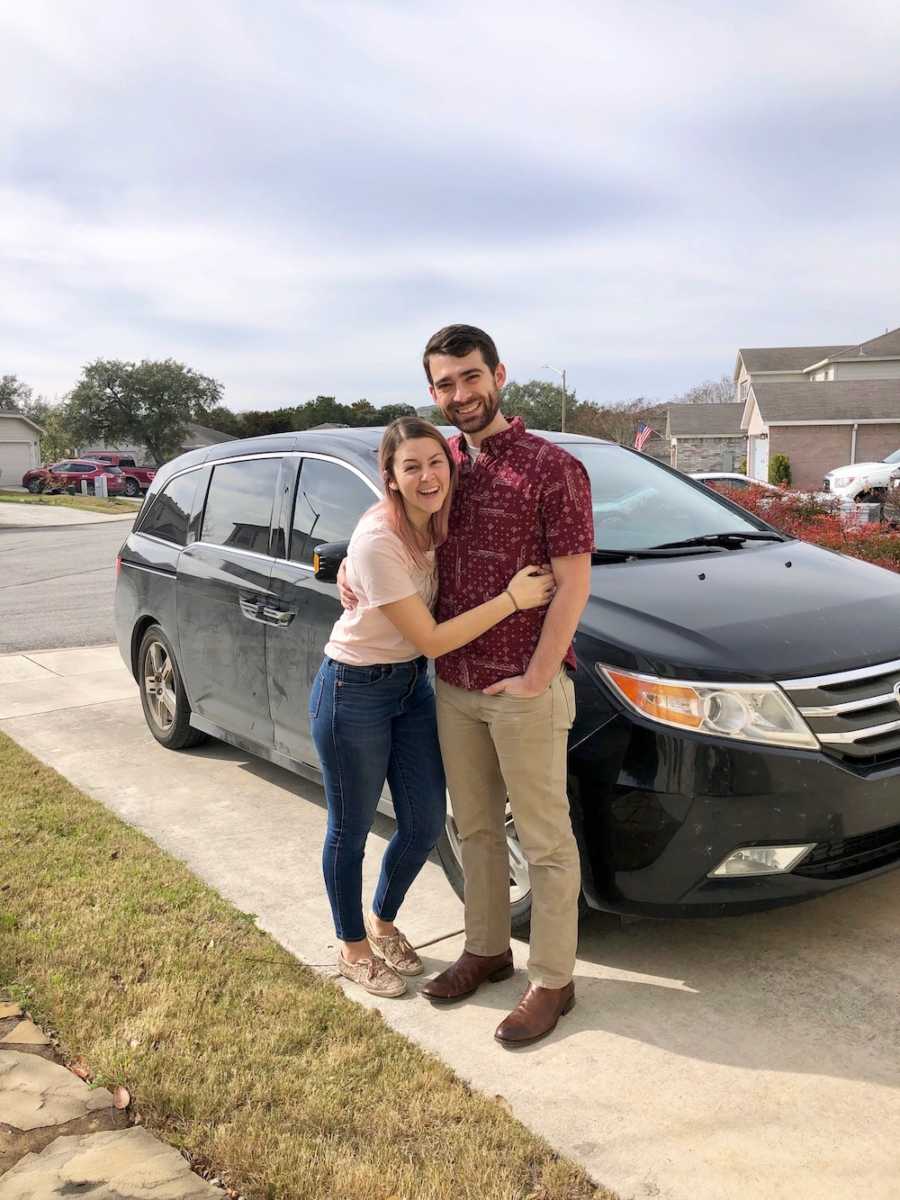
(752, 1058)
(50, 516)
(60, 1137)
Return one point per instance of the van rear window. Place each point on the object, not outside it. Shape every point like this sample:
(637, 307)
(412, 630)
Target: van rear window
(170, 510)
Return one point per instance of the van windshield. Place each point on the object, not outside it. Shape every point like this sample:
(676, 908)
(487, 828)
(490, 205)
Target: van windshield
(638, 505)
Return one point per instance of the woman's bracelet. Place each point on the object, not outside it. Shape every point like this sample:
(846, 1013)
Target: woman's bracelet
(512, 597)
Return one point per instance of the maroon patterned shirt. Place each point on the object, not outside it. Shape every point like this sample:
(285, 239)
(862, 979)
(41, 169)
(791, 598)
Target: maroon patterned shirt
(524, 501)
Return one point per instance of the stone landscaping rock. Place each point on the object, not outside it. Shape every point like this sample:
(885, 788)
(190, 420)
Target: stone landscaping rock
(36, 1093)
(8, 1009)
(26, 1033)
(128, 1164)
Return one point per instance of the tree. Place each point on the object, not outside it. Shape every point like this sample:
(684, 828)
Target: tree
(14, 394)
(390, 412)
(362, 412)
(538, 402)
(149, 403)
(711, 391)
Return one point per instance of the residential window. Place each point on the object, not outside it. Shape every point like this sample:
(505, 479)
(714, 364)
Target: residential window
(330, 500)
(239, 504)
(170, 511)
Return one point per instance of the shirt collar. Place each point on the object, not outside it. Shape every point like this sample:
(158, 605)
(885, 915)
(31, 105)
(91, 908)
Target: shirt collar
(497, 444)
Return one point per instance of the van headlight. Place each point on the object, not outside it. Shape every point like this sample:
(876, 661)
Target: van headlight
(749, 712)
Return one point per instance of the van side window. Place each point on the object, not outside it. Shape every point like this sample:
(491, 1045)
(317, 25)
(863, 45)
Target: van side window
(239, 504)
(330, 500)
(170, 511)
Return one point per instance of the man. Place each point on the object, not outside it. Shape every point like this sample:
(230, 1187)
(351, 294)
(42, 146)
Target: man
(505, 703)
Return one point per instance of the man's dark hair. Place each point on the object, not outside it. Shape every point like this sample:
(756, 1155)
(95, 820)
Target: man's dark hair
(458, 341)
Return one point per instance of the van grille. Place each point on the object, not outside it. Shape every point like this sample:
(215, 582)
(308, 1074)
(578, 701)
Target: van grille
(845, 857)
(854, 714)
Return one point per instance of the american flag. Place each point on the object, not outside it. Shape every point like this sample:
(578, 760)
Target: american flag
(643, 434)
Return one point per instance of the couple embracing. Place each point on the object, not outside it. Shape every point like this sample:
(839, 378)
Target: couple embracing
(478, 557)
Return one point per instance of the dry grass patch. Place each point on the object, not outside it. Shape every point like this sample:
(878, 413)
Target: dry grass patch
(114, 505)
(265, 1073)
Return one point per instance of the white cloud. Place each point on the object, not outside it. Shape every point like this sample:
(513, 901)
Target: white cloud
(292, 197)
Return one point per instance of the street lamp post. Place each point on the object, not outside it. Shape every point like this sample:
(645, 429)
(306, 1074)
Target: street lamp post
(561, 371)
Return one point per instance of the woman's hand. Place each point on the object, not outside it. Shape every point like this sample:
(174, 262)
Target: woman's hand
(532, 587)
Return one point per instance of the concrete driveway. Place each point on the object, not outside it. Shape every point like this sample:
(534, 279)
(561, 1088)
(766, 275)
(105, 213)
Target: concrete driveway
(741, 1059)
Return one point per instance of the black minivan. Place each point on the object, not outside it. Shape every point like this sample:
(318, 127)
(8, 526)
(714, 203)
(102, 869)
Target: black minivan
(737, 743)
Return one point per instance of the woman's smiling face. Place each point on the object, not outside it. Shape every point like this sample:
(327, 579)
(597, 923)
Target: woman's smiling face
(421, 474)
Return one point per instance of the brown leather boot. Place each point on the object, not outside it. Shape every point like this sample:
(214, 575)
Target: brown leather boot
(535, 1015)
(467, 974)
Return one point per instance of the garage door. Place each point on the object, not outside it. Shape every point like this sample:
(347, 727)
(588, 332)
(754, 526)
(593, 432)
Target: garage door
(15, 460)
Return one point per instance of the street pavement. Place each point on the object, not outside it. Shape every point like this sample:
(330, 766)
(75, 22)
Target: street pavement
(57, 583)
(750, 1058)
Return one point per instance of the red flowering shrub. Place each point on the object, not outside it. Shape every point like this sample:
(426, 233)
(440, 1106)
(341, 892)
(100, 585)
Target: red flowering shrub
(817, 519)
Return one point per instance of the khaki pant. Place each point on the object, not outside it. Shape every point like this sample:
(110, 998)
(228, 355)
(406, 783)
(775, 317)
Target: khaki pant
(499, 746)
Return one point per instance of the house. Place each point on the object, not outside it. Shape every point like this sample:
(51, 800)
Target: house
(819, 426)
(19, 447)
(820, 406)
(197, 437)
(706, 437)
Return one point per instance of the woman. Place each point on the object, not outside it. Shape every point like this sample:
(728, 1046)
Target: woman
(372, 706)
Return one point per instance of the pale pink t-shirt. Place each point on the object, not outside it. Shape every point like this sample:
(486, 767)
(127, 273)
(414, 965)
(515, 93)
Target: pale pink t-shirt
(380, 570)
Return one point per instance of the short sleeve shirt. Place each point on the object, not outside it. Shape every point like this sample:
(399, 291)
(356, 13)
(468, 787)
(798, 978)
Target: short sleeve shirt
(524, 500)
(380, 570)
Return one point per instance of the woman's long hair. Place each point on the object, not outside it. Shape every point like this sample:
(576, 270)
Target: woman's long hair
(404, 429)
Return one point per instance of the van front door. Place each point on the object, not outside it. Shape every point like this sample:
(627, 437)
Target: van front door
(329, 498)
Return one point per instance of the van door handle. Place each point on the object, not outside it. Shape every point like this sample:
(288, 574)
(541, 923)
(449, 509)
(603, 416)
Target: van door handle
(278, 616)
(252, 607)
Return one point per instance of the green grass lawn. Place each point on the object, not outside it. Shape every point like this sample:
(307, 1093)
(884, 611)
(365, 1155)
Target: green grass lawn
(264, 1072)
(112, 505)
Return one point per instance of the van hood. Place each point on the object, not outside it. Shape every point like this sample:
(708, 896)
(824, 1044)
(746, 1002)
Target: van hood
(770, 611)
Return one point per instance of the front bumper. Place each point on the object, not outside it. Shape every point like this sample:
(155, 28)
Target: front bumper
(657, 810)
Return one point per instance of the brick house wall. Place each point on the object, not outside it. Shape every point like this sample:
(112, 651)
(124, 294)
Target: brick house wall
(709, 453)
(875, 442)
(811, 449)
(815, 449)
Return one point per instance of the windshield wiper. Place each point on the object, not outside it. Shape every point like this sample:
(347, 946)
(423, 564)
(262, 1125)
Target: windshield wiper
(726, 539)
(602, 554)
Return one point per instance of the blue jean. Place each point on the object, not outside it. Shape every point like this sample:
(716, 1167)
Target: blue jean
(372, 724)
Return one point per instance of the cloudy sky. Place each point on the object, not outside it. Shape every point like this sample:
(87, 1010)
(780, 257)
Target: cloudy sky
(292, 196)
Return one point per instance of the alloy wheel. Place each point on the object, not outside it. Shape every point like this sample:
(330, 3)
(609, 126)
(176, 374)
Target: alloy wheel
(159, 686)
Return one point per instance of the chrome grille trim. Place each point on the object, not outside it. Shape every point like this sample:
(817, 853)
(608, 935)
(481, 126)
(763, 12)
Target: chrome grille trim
(816, 681)
(834, 710)
(855, 715)
(841, 739)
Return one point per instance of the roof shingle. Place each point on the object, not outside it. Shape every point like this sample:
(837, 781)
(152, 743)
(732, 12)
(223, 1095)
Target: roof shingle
(840, 400)
(723, 420)
(787, 358)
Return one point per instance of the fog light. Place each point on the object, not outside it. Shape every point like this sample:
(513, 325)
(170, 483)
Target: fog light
(761, 860)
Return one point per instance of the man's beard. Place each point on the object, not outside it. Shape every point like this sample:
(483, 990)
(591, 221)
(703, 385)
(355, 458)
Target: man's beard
(482, 417)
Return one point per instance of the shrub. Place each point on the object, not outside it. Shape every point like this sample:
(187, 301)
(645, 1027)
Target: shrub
(780, 470)
(816, 519)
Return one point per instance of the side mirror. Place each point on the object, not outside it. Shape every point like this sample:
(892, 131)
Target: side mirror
(326, 560)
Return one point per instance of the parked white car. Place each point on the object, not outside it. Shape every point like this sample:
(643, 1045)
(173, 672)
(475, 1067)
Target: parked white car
(731, 479)
(863, 479)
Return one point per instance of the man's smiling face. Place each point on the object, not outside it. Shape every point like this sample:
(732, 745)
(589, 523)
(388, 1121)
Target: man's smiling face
(466, 390)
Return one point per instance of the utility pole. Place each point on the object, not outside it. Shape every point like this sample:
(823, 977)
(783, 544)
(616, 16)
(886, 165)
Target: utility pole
(561, 371)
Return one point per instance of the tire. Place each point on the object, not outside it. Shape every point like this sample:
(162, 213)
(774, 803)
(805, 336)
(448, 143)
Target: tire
(163, 698)
(35, 486)
(132, 487)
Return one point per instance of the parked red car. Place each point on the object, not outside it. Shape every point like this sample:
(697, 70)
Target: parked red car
(137, 479)
(68, 474)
